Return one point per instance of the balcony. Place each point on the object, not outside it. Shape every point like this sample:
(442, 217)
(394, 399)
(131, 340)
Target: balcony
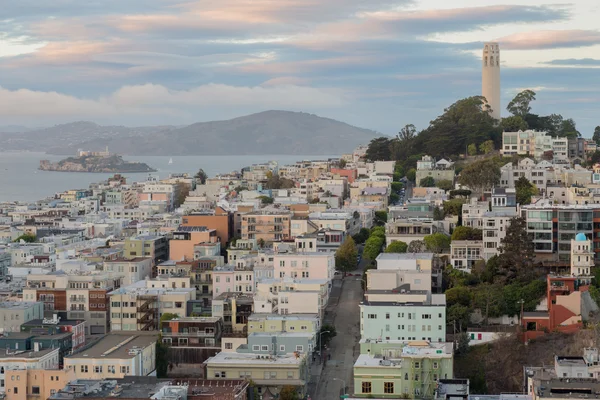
(190, 334)
(77, 299)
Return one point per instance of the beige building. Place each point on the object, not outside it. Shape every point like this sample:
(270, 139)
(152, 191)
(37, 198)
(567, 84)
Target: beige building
(262, 323)
(10, 360)
(15, 313)
(36, 384)
(266, 225)
(115, 356)
(138, 307)
(269, 373)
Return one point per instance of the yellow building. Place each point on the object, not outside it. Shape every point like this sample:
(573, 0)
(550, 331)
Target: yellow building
(115, 356)
(36, 384)
(291, 323)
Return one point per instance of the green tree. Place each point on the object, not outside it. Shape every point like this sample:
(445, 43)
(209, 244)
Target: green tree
(462, 193)
(462, 346)
(162, 358)
(396, 247)
(394, 198)
(417, 246)
(274, 181)
(481, 175)
(525, 190)
(568, 129)
(380, 218)
(428, 181)
(438, 214)
(520, 105)
(458, 295)
(444, 184)
(467, 233)
(201, 176)
(379, 149)
(373, 246)
(514, 123)
(397, 186)
(464, 122)
(346, 256)
(240, 189)
(26, 237)
(486, 147)
(453, 207)
(261, 243)
(437, 242)
(407, 133)
(458, 315)
(596, 136)
(516, 251)
(327, 333)
(595, 158)
(411, 175)
(266, 200)
(378, 231)
(361, 236)
(289, 392)
(342, 163)
(472, 149)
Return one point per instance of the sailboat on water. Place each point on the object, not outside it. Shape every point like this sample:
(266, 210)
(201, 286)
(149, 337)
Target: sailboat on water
(170, 160)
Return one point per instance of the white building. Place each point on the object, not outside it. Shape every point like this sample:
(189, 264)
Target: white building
(465, 253)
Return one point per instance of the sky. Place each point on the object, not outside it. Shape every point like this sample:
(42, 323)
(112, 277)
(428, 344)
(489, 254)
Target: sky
(377, 64)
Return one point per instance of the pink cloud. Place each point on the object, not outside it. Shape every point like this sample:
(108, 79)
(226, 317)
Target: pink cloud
(550, 39)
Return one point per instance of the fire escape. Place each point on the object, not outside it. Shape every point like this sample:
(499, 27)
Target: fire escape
(147, 313)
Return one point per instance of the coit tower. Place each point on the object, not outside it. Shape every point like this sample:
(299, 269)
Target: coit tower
(490, 77)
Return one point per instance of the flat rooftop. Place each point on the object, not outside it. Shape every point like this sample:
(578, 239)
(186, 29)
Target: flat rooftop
(567, 388)
(252, 359)
(404, 256)
(571, 361)
(116, 345)
(285, 317)
(17, 305)
(30, 354)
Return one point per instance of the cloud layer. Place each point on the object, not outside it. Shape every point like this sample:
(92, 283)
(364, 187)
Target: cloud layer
(377, 64)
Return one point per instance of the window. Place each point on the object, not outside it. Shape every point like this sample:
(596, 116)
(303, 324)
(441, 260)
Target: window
(16, 390)
(290, 374)
(387, 315)
(228, 346)
(435, 365)
(98, 369)
(264, 348)
(35, 390)
(417, 365)
(299, 348)
(366, 387)
(388, 387)
(255, 347)
(372, 316)
(124, 369)
(84, 368)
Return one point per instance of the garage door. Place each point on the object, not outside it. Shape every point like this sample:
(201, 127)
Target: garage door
(96, 330)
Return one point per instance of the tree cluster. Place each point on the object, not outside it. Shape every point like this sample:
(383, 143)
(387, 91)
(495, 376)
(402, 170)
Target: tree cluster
(396, 247)
(525, 190)
(274, 181)
(374, 243)
(361, 236)
(346, 256)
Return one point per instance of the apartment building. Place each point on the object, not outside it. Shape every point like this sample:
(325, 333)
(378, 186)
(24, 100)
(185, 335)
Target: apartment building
(36, 384)
(185, 238)
(192, 332)
(324, 240)
(553, 226)
(5, 263)
(473, 211)
(232, 279)
(438, 170)
(234, 308)
(15, 313)
(115, 356)
(11, 360)
(81, 295)
(304, 265)
(56, 325)
(397, 369)
(217, 219)
(266, 225)
(540, 174)
(133, 270)
(270, 373)
(494, 231)
(139, 306)
(409, 265)
(290, 323)
(151, 246)
(408, 225)
(292, 296)
(465, 253)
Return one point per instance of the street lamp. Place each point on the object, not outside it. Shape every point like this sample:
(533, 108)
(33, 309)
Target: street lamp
(343, 381)
(320, 339)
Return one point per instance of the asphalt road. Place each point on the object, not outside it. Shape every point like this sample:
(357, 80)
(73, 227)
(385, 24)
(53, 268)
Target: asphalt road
(334, 376)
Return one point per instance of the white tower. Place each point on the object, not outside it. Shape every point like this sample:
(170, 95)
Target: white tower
(490, 77)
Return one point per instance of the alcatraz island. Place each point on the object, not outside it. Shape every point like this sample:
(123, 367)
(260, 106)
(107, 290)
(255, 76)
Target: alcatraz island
(95, 162)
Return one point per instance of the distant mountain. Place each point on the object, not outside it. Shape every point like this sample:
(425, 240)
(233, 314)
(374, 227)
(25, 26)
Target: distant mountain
(269, 132)
(14, 128)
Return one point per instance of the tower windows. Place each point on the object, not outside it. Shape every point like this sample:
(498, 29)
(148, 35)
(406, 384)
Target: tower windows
(492, 61)
(485, 61)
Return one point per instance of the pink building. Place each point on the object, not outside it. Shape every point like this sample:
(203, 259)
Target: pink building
(230, 279)
(304, 265)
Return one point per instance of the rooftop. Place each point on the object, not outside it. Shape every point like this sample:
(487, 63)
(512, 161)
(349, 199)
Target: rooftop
(286, 317)
(567, 388)
(403, 256)
(117, 345)
(17, 305)
(29, 354)
(254, 359)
